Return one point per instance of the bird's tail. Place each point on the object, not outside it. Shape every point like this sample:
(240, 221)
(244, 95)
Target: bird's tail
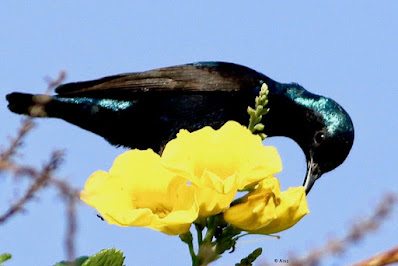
(29, 104)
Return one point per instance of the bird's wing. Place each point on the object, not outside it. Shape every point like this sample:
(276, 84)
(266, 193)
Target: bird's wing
(196, 77)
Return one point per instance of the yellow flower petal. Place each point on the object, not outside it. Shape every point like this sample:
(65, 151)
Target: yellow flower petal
(224, 160)
(139, 191)
(293, 207)
(212, 202)
(266, 210)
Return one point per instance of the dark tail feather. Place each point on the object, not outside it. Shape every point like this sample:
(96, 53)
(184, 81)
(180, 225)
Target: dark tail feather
(28, 104)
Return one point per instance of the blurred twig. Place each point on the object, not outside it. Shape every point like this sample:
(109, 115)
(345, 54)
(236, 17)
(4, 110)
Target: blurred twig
(53, 83)
(384, 258)
(16, 142)
(356, 233)
(71, 196)
(40, 178)
(27, 124)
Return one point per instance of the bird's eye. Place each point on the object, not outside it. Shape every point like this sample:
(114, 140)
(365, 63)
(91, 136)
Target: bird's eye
(319, 137)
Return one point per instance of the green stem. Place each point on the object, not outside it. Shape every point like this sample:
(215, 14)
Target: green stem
(188, 239)
(199, 234)
(209, 235)
(251, 122)
(195, 261)
(211, 230)
(236, 238)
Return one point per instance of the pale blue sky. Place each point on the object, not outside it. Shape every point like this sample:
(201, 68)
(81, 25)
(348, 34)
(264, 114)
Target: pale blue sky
(345, 50)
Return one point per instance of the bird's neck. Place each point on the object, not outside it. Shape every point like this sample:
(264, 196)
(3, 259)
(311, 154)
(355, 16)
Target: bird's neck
(288, 113)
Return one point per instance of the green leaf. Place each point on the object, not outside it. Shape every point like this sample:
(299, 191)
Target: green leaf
(106, 257)
(77, 262)
(4, 257)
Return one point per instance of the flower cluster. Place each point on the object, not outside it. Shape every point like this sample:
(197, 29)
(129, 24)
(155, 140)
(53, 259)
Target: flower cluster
(197, 176)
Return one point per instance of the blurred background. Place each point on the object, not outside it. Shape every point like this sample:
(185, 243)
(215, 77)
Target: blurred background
(345, 50)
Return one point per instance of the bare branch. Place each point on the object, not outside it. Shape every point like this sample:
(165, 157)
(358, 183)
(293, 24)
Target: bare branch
(27, 123)
(52, 83)
(356, 233)
(16, 142)
(40, 180)
(384, 258)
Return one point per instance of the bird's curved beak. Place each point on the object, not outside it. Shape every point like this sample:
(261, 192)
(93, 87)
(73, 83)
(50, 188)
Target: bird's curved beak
(313, 173)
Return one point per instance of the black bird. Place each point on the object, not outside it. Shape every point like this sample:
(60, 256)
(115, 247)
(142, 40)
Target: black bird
(146, 109)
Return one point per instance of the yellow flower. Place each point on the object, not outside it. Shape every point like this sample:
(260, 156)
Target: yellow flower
(218, 163)
(138, 191)
(198, 174)
(267, 210)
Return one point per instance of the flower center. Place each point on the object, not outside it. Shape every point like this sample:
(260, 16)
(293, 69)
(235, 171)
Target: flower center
(161, 211)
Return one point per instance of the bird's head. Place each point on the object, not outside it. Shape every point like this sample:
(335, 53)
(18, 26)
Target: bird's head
(319, 125)
(329, 133)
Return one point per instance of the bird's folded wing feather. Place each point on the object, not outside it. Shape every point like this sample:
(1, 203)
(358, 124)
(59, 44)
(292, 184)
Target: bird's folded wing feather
(196, 77)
